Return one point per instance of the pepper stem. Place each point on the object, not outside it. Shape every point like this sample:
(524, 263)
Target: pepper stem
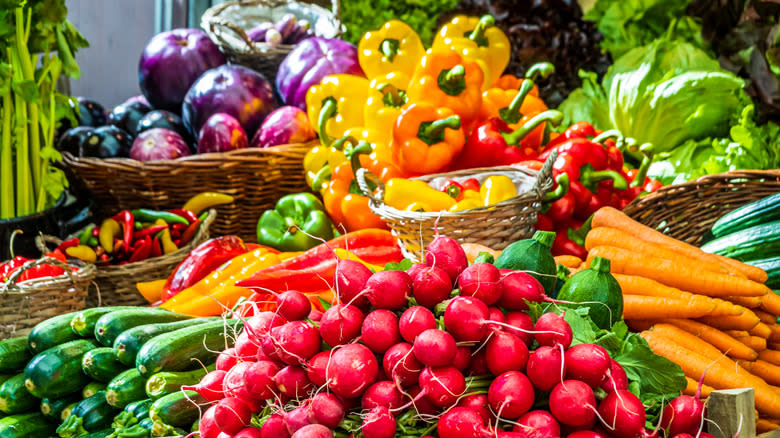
(560, 190)
(452, 81)
(590, 178)
(433, 132)
(389, 48)
(321, 178)
(542, 69)
(362, 148)
(392, 96)
(340, 143)
(546, 238)
(329, 110)
(512, 114)
(552, 116)
(600, 264)
(478, 34)
(612, 133)
(644, 166)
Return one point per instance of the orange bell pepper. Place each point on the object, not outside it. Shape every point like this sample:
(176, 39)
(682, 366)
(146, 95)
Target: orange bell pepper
(426, 139)
(380, 160)
(151, 290)
(512, 82)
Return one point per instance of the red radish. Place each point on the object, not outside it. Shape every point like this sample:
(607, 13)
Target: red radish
(572, 403)
(298, 418)
(414, 321)
(227, 359)
(442, 386)
(379, 423)
(462, 358)
(481, 281)
(504, 434)
(523, 326)
(246, 348)
(430, 285)
(546, 368)
(434, 348)
(208, 427)
(446, 253)
(588, 363)
(260, 324)
(211, 386)
(293, 342)
(293, 305)
(382, 393)
(495, 314)
(316, 367)
(388, 289)
(313, 431)
(340, 324)
(623, 414)
(684, 414)
(587, 434)
(478, 365)
(235, 385)
(400, 365)
(465, 319)
(538, 424)
(511, 394)
(274, 427)
(421, 404)
(315, 315)
(232, 415)
(350, 279)
(551, 329)
(352, 368)
(479, 403)
(249, 432)
(616, 378)
(519, 287)
(683, 435)
(327, 409)
(380, 330)
(506, 352)
(292, 381)
(462, 423)
(224, 435)
(259, 378)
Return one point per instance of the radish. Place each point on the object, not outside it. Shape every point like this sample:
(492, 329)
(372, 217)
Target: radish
(350, 280)
(434, 348)
(414, 321)
(379, 423)
(511, 394)
(313, 431)
(249, 432)
(224, 435)
(465, 319)
(211, 386)
(421, 404)
(298, 418)
(523, 326)
(551, 329)
(292, 381)
(227, 359)
(340, 324)
(519, 287)
(442, 386)
(388, 289)
(683, 435)
(327, 409)
(446, 253)
(383, 394)
(616, 378)
(274, 427)
(260, 324)
(352, 368)
(380, 330)
(538, 424)
(623, 414)
(246, 348)
(259, 378)
(572, 403)
(315, 370)
(207, 427)
(430, 285)
(400, 365)
(588, 363)
(495, 314)
(481, 281)
(504, 434)
(546, 367)
(293, 342)
(684, 414)
(462, 358)
(506, 352)
(235, 385)
(462, 423)
(231, 415)
(293, 305)
(479, 403)
(588, 434)
(478, 365)
(315, 315)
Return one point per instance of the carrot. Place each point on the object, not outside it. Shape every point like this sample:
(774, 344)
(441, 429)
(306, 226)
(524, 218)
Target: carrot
(635, 285)
(746, 321)
(569, 261)
(754, 342)
(641, 307)
(763, 425)
(737, 333)
(692, 388)
(749, 302)
(765, 317)
(767, 371)
(773, 345)
(610, 217)
(717, 338)
(771, 356)
(771, 303)
(691, 279)
(761, 330)
(716, 375)
(687, 340)
(775, 335)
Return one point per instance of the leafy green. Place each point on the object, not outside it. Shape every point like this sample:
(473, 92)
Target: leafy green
(360, 16)
(403, 265)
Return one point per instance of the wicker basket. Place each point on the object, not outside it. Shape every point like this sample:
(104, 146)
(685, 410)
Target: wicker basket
(226, 25)
(496, 226)
(257, 178)
(27, 304)
(687, 211)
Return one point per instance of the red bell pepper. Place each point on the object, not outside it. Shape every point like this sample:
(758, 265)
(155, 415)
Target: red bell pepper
(576, 130)
(471, 184)
(454, 189)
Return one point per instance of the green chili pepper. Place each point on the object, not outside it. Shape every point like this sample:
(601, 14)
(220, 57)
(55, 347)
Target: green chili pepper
(85, 234)
(149, 215)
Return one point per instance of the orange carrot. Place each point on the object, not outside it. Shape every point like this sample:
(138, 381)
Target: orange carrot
(754, 342)
(690, 279)
(610, 217)
(763, 425)
(693, 386)
(746, 321)
(473, 249)
(569, 261)
(641, 307)
(765, 317)
(737, 333)
(717, 338)
(761, 330)
(771, 303)
(635, 285)
(775, 335)
(687, 340)
(749, 302)
(771, 356)
(767, 371)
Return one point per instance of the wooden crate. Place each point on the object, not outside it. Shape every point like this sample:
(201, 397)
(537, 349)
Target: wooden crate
(732, 410)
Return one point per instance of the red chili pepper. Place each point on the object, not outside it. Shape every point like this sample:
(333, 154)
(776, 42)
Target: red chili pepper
(68, 244)
(96, 232)
(454, 189)
(148, 231)
(8, 267)
(142, 250)
(471, 184)
(189, 233)
(565, 246)
(156, 247)
(125, 218)
(186, 214)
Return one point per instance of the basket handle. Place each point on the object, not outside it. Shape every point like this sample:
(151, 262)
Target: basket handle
(29, 265)
(219, 21)
(544, 177)
(363, 176)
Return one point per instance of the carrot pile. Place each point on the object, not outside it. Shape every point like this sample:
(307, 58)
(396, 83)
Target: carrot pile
(702, 311)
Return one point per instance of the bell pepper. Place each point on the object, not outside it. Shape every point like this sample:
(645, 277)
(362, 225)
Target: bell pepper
(386, 99)
(515, 106)
(318, 157)
(393, 47)
(151, 290)
(149, 215)
(297, 223)
(497, 188)
(446, 79)
(380, 161)
(471, 199)
(576, 130)
(204, 201)
(453, 189)
(426, 139)
(336, 104)
(479, 39)
(400, 193)
(512, 82)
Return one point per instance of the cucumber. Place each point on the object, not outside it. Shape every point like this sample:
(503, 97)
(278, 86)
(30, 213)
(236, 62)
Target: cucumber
(184, 348)
(101, 364)
(14, 397)
(128, 343)
(772, 267)
(32, 425)
(14, 355)
(752, 243)
(179, 409)
(90, 415)
(109, 326)
(127, 387)
(54, 331)
(57, 371)
(53, 408)
(140, 409)
(756, 213)
(92, 388)
(168, 382)
(83, 323)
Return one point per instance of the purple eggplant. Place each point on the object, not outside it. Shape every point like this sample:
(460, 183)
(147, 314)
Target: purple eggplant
(107, 142)
(257, 33)
(310, 61)
(137, 98)
(90, 113)
(126, 115)
(300, 33)
(159, 144)
(221, 133)
(164, 119)
(73, 139)
(286, 25)
(273, 37)
(286, 125)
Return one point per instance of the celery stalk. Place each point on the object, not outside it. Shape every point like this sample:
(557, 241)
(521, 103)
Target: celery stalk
(6, 164)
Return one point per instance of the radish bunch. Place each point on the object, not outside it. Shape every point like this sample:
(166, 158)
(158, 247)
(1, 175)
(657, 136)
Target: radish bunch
(401, 353)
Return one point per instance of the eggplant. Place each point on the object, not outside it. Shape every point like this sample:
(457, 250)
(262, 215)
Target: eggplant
(164, 119)
(257, 33)
(72, 140)
(107, 142)
(159, 144)
(286, 25)
(285, 125)
(126, 116)
(221, 133)
(91, 113)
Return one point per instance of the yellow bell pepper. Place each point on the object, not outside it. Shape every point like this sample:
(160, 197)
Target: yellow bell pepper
(471, 199)
(400, 193)
(336, 104)
(386, 99)
(380, 161)
(151, 290)
(497, 188)
(318, 157)
(393, 47)
(478, 39)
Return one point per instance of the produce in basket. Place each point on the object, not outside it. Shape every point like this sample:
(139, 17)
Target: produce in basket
(287, 30)
(221, 133)
(159, 144)
(285, 125)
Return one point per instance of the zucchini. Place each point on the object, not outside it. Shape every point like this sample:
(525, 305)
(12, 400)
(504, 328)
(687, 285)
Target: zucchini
(68, 409)
(756, 213)
(164, 430)
(749, 244)
(14, 355)
(92, 388)
(32, 425)
(4, 378)
(111, 325)
(140, 409)
(53, 408)
(184, 348)
(57, 371)
(90, 415)
(146, 423)
(14, 397)
(54, 331)
(772, 267)
(100, 434)
(127, 387)
(83, 323)
(135, 431)
(179, 409)
(168, 382)
(101, 364)
(127, 344)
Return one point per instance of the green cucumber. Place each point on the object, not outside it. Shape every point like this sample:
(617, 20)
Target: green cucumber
(772, 267)
(140, 409)
(101, 364)
(14, 396)
(111, 325)
(54, 331)
(752, 243)
(756, 213)
(179, 409)
(52, 408)
(127, 387)
(168, 382)
(83, 323)
(596, 289)
(90, 415)
(57, 371)
(534, 256)
(92, 388)
(14, 355)
(129, 342)
(184, 348)
(32, 425)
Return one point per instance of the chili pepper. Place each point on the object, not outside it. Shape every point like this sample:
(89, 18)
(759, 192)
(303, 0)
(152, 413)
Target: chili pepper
(149, 231)
(189, 233)
(563, 245)
(497, 188)
(142, 251)
(426, 139)
(393, 47)
(386, 99)
(85, 234)
(119, 246)
(206, 200)
(168, 246)
(68, 244)
(454, 189)
(186, 214)
(297, 223)
(203, 216)
(82, 252)
(336, 104)
(126, 219)
(400, 193)
(178, 228)
(516, 105)
(92, 241)
(138, 226)
(477, 38)
(171, 217)
(156, 247)
(544, 223)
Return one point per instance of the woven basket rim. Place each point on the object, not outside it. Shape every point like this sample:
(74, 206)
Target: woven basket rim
(86, 272)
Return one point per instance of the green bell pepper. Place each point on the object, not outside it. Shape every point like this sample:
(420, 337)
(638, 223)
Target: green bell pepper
(297, 223)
